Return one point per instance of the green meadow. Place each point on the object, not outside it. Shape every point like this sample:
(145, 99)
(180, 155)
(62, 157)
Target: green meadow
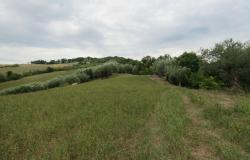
(124, 117)
(21, 68)
(35, 78)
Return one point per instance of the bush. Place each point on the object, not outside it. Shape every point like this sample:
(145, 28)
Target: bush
(25, 74)
(70, 79)
(160, 66)
(83, 77)
(38, 86)
(23, 88)
(195, 79)
(210, 83)
(2, 78)
(50, 69)
(189, 60)
(13, 76)
(87, 71)
(125, 68)
(178, 75)
(55, 82)
(102, 71)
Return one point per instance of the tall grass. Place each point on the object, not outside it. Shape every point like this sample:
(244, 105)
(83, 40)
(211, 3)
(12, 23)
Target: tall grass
(101, 119)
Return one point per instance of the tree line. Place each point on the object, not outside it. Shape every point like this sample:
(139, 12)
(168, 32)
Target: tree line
(86, 60)
(226, 65)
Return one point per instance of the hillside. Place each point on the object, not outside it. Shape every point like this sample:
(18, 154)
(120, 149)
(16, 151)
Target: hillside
(21, 68)
(125, 117)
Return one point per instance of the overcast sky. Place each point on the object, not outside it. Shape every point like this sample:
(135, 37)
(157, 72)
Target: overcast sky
(53, 29)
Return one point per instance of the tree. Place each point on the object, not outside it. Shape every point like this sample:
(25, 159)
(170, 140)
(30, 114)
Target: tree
(49, 69)
(189, 60)
(2, 78)
(160, 66)
(229, 61)
(148, 61)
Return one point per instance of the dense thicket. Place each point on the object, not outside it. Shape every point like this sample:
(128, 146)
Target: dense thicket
(227, 64)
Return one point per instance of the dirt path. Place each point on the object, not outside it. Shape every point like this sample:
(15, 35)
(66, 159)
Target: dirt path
(200, 150)
(204, 141)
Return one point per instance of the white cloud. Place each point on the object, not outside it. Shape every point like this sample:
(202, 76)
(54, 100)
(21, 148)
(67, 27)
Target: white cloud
(63, 28)
(44, 29)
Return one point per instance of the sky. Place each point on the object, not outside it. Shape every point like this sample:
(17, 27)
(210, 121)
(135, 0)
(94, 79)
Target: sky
(46, 29)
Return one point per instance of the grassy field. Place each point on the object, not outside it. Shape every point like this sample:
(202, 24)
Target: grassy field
(35, 78)
(125, 117)
(31, 67)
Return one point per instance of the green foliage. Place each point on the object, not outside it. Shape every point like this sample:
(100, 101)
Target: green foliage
(229, 61)
(2, 78)
(55, 82)
(83, 76)
(145, 67)
(24, 88)
(189, 60)
(210, 83)
(103, 71)
(73, 78)
(12, 76)
(148, 61)
(50, 69)
(178, 75)
(161, 64)
(195, 79)
(125, 68)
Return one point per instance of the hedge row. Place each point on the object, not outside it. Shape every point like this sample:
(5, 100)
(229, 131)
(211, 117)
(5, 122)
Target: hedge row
(80, 76)
(9, 76)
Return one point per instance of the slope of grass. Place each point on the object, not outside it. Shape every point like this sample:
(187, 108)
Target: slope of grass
(225, 123)
(35, 78)
(94, 120)
(233, 121)
(31, 67)
(124, 117)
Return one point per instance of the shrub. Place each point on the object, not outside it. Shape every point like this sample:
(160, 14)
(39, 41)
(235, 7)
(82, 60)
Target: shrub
(189, 60)
(124, 68)
(160, 66)
(50, 69)
(88, 71)
(83, 77)
(73, 78)
(29, 73)
(195, 79)
(102, 71)
(178, 75)
(38, 86)
(13, 76)
(210, 83)
(55, 82)
(2, 78)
